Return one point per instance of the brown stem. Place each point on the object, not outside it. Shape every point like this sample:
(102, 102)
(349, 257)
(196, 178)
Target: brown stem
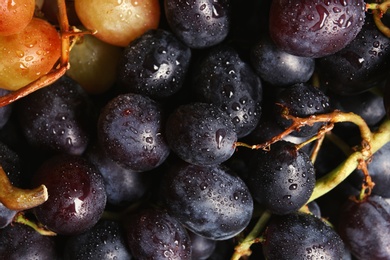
(20, 199)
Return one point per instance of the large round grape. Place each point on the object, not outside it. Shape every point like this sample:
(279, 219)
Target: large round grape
(315, 28)
(211, 201)
(130, 130)
(201, 134)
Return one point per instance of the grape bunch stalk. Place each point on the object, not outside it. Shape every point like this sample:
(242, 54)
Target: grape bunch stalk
(199, 198)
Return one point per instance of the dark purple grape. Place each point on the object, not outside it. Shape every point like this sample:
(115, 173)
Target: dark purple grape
(211, 201)
(315, 28)
(6, 216)
(365, 228)
(19, 241)
(282, 179)
(153, 234)
(57, 118)
(301, 236)
(5, 111)
(104, 241)
(361, 65)
(301, 100)
(198, 23)
(155, 64)
(77, 195)
(224, 79)
(130, 130)
(201, 133)
(202, 248)
(123, 186)
(277, 67)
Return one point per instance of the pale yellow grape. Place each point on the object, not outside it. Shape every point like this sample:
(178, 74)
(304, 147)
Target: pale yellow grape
(118, 22)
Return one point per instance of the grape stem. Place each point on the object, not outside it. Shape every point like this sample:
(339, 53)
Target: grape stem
(20, 199)
(377, 11)
(21, 219)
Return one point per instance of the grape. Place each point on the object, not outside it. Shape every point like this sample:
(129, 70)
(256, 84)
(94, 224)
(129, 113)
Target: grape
(5, 112)
(278, 67)
(202, 247)
(94, 64)
(105, 240)
(224, 79)
(301, 100)
(130, 130)
(19, 241)
(123, 186)
(365, 227)
(57, 118)
(153, 234)
(210, 201)
(315, 28)
(28, 54)
(282, 179)
(77, 195)
(201, 134)
(361, 65)
(198, 23)
(301, 236)
(15, 16)
(118, 22)
(155, 64)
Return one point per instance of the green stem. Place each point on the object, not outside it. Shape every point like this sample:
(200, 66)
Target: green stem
(243, 248)
(341, 172)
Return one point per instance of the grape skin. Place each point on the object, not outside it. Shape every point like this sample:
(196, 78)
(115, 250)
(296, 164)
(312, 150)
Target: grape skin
(315, 28)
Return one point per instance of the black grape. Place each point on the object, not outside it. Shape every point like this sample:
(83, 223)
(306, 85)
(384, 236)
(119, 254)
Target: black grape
(130, 130)
(224, 79)
(301, 100)
(365, 227)
(123, 186)
(361, 65)
(57, 118)
(315, 28)
(201, 133)
(277, 67)
(198, 23)
(211, 201)
(202, 248)
(77, 195)
(5, 111)
(154, 234)
(282, 179)
(155, 64)
(104, 241)
(20, 241)
(301, 236)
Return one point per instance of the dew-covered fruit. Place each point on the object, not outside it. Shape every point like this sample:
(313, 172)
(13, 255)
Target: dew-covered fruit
(211, 201)
(201, 134)
(282, 179)
(301, 236)
(315, 28)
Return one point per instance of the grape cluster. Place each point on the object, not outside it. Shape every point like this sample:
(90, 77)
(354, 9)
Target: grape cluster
(194, 129)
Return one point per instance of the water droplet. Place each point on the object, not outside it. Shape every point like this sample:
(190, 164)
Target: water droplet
(219, 136)
(293, 187)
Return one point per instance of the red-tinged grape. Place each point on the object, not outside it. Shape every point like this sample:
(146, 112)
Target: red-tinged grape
(118, 22)
(365, 228)
(15, 15)
(315, 28)
(77, 195)
(94, 64)
(29, 54)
